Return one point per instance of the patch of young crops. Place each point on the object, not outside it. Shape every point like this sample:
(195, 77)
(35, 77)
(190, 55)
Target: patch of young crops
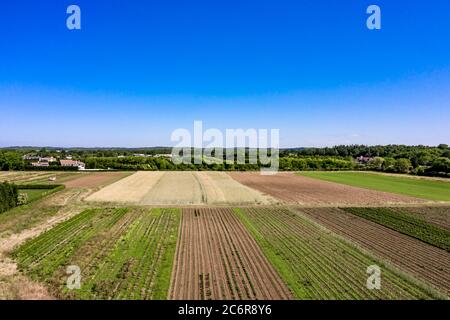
(316, 264)
(406, 224)
(121, 253)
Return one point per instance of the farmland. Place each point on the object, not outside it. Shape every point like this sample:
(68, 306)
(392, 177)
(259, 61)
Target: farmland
(217, 259)
(425, 262)
(180, 188)
(318, 265)
(438, 216)
(407, 224)
(296, 189)
(22, 177)
(93, 180)
(437, 190)
(180, 235)
(122, 254)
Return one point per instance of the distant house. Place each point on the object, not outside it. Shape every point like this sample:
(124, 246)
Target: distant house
(30, 157)
(166, 155)
(73, 163)
(363, 160)
(47, 159)
(40, 164)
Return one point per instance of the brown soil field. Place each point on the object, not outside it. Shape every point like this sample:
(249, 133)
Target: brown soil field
(424, 261)
(296, 189)
(93, 180)
(216, 258)
(180, 188)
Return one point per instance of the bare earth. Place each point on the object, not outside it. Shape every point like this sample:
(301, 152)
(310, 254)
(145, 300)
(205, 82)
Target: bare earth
(92, 180)
(427, 262)
(296, 189)
(180, 188)
(216, 258)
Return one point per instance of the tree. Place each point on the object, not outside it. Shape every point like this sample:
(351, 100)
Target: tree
(443, 146)
(11, 161)
(388, 164)
(440, 165)
(402, 165)
(376, 163)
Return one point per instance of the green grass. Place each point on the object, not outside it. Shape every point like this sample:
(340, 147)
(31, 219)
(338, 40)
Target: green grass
(316, 264)
(122, 254)
(24, 217)
(406, 224)
(34, 194)
(37, 191)
(420, 188)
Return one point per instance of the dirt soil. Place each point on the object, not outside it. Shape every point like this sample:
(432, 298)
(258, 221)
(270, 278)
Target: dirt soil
(217, 258)
(93, 180)
(427, 262)
(296, 189)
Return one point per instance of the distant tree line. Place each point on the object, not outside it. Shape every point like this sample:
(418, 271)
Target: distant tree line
(420, 160)
(9, 196)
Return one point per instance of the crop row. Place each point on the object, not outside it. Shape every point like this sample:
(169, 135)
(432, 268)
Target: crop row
(122, 254)
(407, 224)
(318, 265)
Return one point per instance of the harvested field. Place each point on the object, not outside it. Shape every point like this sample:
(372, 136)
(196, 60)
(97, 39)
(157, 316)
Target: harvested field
(424, 261)
(180, 188)
(93, 180)
(128, 190)
(121, 254)
(218, 259)
(28, 177)
(318, 265)
(297, 189)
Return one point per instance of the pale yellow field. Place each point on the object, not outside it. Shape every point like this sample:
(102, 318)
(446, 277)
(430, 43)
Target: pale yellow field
(180, 188)
(128, 190)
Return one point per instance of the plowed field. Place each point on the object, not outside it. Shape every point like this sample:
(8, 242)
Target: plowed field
(218, 259)
(292, 188)
(93, 180)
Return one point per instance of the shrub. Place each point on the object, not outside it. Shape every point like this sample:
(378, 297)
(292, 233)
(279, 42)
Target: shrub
(9, 196)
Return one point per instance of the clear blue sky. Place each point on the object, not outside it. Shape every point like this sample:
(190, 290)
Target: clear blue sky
(140, 69)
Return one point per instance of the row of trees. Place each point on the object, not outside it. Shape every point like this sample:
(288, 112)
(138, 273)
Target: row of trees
(391, 158)
(287, 164)
(439, 166)
(9, 196)
(418, 155)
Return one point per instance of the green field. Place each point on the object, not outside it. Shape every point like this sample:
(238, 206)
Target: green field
(406, 224)
(420, 188)
(122, 254)
(35, 192)
(316, 264)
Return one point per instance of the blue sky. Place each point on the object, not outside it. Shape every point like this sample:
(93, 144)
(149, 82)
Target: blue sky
(137, 70)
